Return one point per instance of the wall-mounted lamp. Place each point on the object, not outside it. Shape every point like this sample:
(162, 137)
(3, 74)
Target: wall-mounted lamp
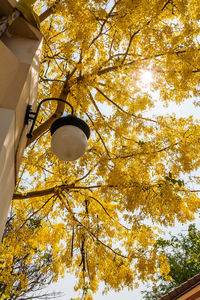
(69, 134)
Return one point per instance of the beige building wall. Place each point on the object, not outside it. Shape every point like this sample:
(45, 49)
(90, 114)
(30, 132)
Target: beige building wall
(19, 69)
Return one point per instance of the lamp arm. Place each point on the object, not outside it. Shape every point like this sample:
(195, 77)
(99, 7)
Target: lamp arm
(33, 115)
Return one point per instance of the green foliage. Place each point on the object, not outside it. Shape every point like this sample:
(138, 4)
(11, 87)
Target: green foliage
(141, 143)
(180, 182)
(183, 254)
(96, 55)
(35, 223)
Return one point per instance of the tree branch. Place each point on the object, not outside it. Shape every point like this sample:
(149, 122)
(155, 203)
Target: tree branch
(54, 189)
(57, 114)
(48, 12)
(101, 206)
(87, 174)
(104, 22)
(88, 230)
(36, 211)
(107, 212)
(146, 153)
(129, 45)
(121, 109)
(95, 105)
(107, 151)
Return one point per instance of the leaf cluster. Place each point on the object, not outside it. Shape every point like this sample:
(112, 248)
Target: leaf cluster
(94, 54)
(183, 256)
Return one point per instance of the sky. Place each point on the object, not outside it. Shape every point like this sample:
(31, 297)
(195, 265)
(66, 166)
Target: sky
(66, 284)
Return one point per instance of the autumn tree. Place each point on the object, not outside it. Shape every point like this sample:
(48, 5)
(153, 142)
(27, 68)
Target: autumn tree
(101, 215)
(29, 271)
(183, 256)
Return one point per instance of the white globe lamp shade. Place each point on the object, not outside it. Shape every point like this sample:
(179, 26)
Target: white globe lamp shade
(69, 137)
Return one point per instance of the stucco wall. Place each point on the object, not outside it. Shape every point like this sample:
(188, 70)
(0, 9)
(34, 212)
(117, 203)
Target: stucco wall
(19, 69)
(7, 163)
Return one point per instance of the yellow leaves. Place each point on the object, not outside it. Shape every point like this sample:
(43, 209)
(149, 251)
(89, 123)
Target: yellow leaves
(194, 9)
(117, 273)
(66, 258)
(164, 267)
(94, 285)
(89, 297)
(121, 180)
(145, 237)
(102, 13)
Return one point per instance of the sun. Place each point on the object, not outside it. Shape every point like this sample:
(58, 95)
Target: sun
(146, 77)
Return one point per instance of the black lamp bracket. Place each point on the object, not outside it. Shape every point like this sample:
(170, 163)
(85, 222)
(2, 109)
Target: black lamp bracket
(30, 115)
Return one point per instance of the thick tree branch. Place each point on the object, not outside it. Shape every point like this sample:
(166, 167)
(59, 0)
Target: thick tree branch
(54, 189)
(48, 12)
(60, 188)
(57, 114)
